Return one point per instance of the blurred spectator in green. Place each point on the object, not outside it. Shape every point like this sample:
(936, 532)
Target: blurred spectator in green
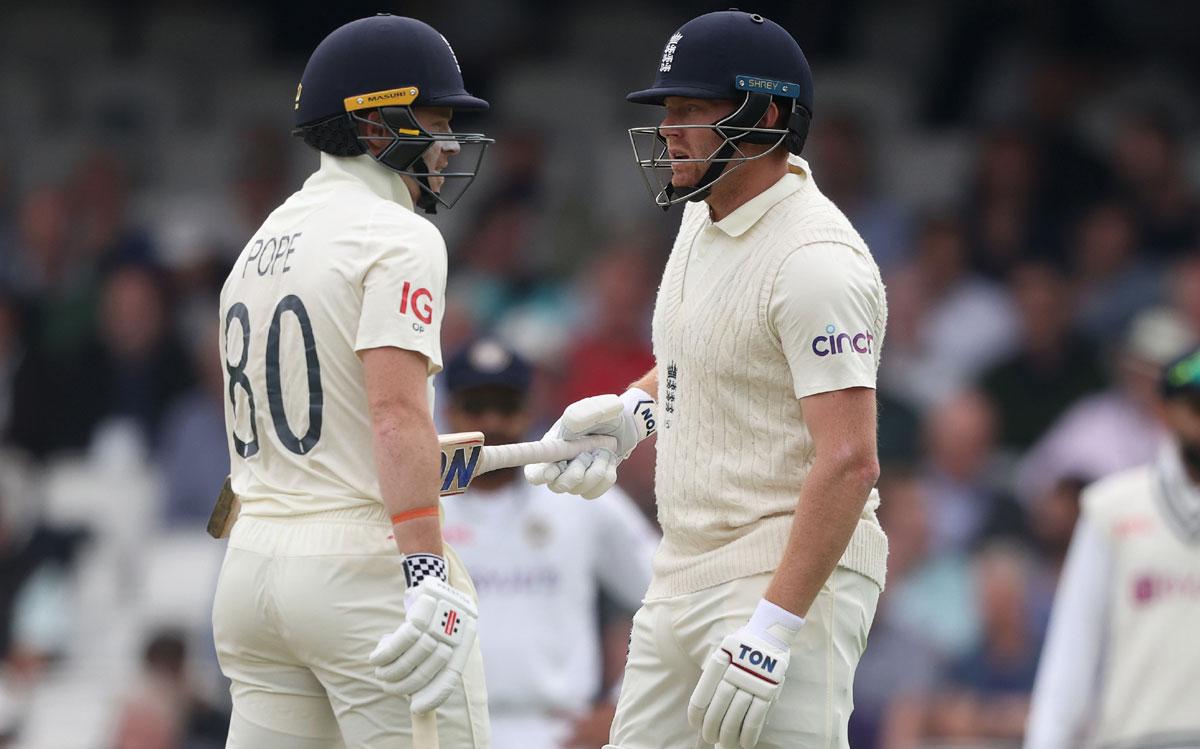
(1149, 163)
(60, 288)
(1112, 283)
(133, 370)
(1052, 368)
(840, 152)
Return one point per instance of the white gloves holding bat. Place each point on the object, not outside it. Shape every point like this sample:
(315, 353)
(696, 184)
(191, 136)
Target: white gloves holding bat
(425, 656)
(743, 677)
(630, 418)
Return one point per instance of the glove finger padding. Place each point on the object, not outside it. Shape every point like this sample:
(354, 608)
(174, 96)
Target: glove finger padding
(731, 724)
(568, 481)
(425, 671)
(599, 476)
(393, 645)
(436, 636)
(444, 684)
(702, 695)
(722, 697)
(754, 722)
(740, 681)
(420, 650)
(543, 473)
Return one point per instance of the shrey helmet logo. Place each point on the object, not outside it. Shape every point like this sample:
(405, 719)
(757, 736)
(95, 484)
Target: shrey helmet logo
(669, 53)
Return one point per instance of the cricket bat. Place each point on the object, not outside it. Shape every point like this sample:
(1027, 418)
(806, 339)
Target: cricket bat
(464, 456)
(425, 733)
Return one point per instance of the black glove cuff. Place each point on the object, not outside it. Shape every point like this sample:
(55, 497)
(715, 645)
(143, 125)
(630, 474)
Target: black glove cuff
(417, 567)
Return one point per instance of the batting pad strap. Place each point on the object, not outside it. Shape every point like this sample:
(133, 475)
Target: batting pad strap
(407, 515)
(417, 567)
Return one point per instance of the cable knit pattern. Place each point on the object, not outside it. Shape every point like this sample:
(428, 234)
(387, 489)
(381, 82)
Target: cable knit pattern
(733, 448)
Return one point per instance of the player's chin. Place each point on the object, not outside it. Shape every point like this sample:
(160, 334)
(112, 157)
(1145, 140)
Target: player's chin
(683, 176)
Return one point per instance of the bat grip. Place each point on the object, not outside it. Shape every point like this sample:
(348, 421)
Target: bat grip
(542, 451)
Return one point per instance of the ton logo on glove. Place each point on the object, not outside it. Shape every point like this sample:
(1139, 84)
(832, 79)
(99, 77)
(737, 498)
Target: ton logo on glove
(757, 658)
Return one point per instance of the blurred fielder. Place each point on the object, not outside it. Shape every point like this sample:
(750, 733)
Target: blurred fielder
(331, 318)
(540, 563)
(767, 331)
(1120, 665)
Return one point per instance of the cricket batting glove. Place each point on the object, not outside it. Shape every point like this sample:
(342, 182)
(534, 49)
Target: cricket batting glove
(425, 656)
(742, 678)
(629, 417)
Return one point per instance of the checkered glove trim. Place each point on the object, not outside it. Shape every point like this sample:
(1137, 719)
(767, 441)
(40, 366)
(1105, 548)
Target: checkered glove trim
(417, 567)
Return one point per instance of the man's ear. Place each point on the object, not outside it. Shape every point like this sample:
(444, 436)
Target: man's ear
(774, 117)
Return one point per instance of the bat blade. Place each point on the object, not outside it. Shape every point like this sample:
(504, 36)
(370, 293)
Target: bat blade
(461, 453)
(425, 733)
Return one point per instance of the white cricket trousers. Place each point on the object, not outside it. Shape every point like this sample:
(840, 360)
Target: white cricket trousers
(300, 604)
(672, 637)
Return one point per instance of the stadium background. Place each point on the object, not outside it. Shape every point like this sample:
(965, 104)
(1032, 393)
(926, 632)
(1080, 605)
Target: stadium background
(1027, 174)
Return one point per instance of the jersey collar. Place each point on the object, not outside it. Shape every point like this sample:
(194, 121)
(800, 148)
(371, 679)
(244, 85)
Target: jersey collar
(365, 171)
(747, 214)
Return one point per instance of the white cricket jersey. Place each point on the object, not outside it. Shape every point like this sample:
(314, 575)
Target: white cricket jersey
(778, 301)
(1121, 661)
(538, 560)
(342, 266)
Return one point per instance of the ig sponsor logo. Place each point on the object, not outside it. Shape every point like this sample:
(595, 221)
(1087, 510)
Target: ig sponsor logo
(420, 303)
(833, 342)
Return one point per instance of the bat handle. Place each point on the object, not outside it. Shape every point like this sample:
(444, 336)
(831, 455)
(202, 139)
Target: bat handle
(543, 451)
(424, 730)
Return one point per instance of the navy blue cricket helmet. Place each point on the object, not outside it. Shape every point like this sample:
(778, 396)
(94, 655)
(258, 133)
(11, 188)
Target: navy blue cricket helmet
(389, 64)
(731, 55)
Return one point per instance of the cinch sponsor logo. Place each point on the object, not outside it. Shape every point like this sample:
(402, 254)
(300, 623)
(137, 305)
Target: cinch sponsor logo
(841, 343)
(757, 658)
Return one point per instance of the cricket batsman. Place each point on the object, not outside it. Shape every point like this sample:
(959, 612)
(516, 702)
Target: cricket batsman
(767, 331)
(337, 599)
(1120, 663)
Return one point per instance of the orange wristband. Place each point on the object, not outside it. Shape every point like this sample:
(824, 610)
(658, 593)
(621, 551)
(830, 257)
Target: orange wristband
(421, 512)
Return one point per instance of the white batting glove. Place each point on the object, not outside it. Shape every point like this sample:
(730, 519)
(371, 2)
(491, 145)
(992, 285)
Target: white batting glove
(425, 656)
(629, 417)
(742, 678)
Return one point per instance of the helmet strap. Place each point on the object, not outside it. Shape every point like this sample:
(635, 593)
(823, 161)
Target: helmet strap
(427, 199)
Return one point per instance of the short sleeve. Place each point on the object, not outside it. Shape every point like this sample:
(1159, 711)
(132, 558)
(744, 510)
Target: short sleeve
(404, 289)
(827, 308)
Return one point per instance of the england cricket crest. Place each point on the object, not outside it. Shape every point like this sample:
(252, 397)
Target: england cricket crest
(668, 56)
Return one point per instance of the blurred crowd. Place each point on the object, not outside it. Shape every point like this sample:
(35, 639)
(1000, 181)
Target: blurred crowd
(1033, 205)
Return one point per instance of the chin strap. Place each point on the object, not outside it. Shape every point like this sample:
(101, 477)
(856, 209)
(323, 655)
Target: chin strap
(427, 201)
